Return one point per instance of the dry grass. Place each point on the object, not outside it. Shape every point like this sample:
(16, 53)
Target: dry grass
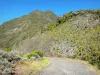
(30, 67)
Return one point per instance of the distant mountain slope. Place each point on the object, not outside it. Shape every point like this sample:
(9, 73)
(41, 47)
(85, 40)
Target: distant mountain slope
(16, 30)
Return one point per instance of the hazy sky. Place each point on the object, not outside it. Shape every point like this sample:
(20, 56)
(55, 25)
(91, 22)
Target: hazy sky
(10, 9)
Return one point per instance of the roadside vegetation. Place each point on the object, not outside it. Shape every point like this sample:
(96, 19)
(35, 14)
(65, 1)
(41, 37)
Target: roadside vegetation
(13, 64)
(31, 63)
(31, 67)
(34, 53)
(8, 61)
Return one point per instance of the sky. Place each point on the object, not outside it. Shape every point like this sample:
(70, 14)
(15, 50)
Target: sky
(10, 9)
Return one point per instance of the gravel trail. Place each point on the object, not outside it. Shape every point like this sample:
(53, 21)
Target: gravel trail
(66, 67)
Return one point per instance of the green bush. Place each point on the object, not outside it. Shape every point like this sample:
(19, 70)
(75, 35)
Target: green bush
(62, 19)
(39, 52)
(32, 54)
(6, 61)
(68, 15)
(35, 53)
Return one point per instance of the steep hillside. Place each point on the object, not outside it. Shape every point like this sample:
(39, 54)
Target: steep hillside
(16, 30)
(76, 34)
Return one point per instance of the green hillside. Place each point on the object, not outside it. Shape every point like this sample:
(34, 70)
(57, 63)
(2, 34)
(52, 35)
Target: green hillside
(78, 36)
(16, 30)
(75, 34)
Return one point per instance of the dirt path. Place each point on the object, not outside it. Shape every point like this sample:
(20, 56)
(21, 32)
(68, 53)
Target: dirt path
(66, 67)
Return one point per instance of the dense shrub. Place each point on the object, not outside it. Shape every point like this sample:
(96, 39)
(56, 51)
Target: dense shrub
(88, 48)
(62, 19)
(93, 56)
(65, 17)
(35, 53)
(32, 54)
(69, 15)
(39, 52)
(6, 61)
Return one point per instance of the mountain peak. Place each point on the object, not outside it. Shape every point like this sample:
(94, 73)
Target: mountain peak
(49, 11)
(36, 12)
